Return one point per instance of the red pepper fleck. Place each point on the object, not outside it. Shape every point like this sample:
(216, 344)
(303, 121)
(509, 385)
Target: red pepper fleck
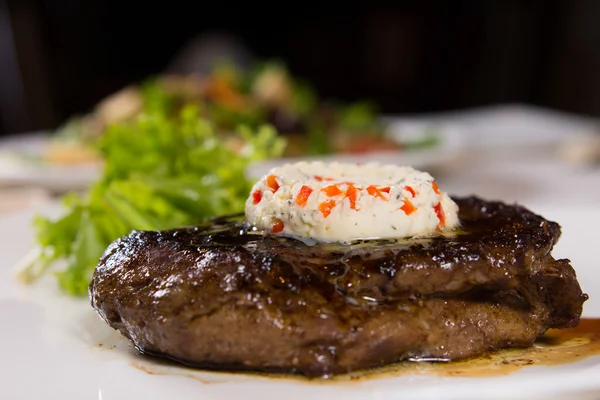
(411, 190)
(277, 226)
(373, 191)
(257, 197)
(320, 178)
(326, 207)
(303, 195)
(332, 190)
(385, 189)
(435, 187)
(351, 193)
(272, 183)
(440, 214)
(408, 207)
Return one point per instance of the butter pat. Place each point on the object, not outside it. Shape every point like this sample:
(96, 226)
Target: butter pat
(337, 202)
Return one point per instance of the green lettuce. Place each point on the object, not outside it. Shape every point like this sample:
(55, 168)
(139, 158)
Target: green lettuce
(159, 173)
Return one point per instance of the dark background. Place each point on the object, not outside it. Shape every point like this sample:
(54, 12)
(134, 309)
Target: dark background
(60, 57)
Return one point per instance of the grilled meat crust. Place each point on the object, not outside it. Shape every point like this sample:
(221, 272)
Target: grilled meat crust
(225, 296)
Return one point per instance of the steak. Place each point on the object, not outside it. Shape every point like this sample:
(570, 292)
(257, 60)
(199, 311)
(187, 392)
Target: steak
(226, 296)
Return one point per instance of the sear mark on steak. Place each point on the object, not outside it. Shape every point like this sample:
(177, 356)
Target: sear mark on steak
(224, 296)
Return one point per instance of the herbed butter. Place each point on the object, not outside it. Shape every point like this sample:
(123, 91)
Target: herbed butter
(340, 202)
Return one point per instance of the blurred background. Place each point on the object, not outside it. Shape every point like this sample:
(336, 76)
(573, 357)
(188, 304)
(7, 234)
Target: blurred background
(60, 57)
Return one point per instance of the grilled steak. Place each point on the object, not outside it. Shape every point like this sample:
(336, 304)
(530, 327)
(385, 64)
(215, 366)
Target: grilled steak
(228, 297)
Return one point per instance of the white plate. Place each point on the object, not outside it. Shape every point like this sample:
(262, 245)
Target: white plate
(50, 346)
(21, 162)
(507, 125)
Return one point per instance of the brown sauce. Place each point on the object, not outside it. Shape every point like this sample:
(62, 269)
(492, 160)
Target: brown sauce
(158, 369)
(556, 347)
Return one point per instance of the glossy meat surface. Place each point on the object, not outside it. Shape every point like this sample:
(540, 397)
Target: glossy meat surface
(226, 296)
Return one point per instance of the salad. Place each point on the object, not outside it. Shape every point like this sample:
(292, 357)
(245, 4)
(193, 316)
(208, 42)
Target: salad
(161, 171)
(229, 97)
